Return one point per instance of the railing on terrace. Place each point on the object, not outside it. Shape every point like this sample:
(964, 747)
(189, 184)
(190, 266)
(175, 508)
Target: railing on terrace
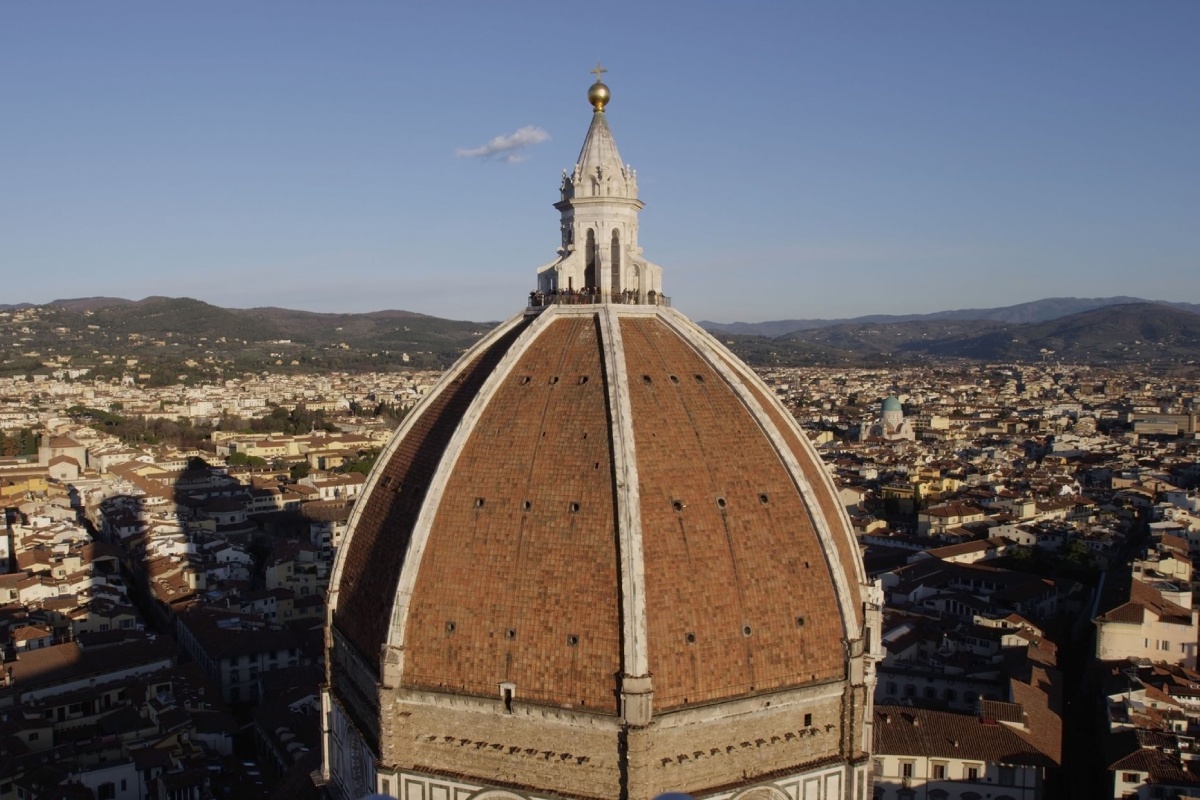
(585, 297)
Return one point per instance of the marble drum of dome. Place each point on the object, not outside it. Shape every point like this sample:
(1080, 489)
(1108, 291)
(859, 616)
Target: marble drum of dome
(599, 559)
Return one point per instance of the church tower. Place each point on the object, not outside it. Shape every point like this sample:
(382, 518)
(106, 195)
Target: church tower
(599, 560)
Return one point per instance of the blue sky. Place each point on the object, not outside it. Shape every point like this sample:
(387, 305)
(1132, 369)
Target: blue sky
(796, 159)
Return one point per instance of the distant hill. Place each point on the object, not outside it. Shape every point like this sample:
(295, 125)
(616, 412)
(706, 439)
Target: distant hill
(183, 316)
(1133, 333)
(76, 304)
(1035, 311)
(192, 319)
(172, 339)
(1136, 332)
(881, 338)
(81, 304)
(392, 326)
(166, 340)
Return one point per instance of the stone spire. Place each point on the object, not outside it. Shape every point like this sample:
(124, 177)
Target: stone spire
(599, 208)
(599, 170)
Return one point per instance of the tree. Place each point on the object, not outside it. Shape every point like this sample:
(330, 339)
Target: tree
(299, 470)
(362, 463)
(23, 443)
(1079, 554)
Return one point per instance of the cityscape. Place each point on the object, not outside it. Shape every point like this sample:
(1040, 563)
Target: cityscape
(1032, 527)
(889, 530)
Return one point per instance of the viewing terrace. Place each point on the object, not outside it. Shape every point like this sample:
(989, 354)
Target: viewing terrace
(592, 296)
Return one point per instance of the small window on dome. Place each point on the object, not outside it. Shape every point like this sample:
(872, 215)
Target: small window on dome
(677, 505)
(746, 630)
(525, 380)
(720, 502)
(583, 379)
(528, 504)
(574, 508)
(699, 378)
(572, 639)
(646, 379)
(762, 498)
(553, 380)
(510, 634)
(690, 638)
(450, 626)
(479, 502)
(674, 379)
(799, 622)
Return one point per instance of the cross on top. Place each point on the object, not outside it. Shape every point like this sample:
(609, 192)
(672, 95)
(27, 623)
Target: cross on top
(598, 71)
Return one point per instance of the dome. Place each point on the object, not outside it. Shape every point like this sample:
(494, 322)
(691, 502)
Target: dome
(598, 559)
(588, 468)
(892, 403)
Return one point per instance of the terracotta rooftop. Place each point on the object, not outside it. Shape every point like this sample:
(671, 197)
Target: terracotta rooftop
(911, 731)
(1143, 598)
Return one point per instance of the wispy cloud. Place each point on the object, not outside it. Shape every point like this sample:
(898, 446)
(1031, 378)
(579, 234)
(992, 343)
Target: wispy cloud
(507, 148)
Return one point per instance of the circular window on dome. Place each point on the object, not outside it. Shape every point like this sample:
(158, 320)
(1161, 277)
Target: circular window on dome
(572, 639)
(746, 630)
(690, 638)
(762, 498)
(510, 634)
(646, 379)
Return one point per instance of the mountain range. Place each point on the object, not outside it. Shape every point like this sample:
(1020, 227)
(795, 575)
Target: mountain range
(1133, 332)
(1035, 311)
(181, 339)
(173, 339)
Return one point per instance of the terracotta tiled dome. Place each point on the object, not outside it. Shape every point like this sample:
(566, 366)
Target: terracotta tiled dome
(599, 559)
(593, 486)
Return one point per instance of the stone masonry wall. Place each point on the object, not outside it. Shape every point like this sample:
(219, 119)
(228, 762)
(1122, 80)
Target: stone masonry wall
(718, 753)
